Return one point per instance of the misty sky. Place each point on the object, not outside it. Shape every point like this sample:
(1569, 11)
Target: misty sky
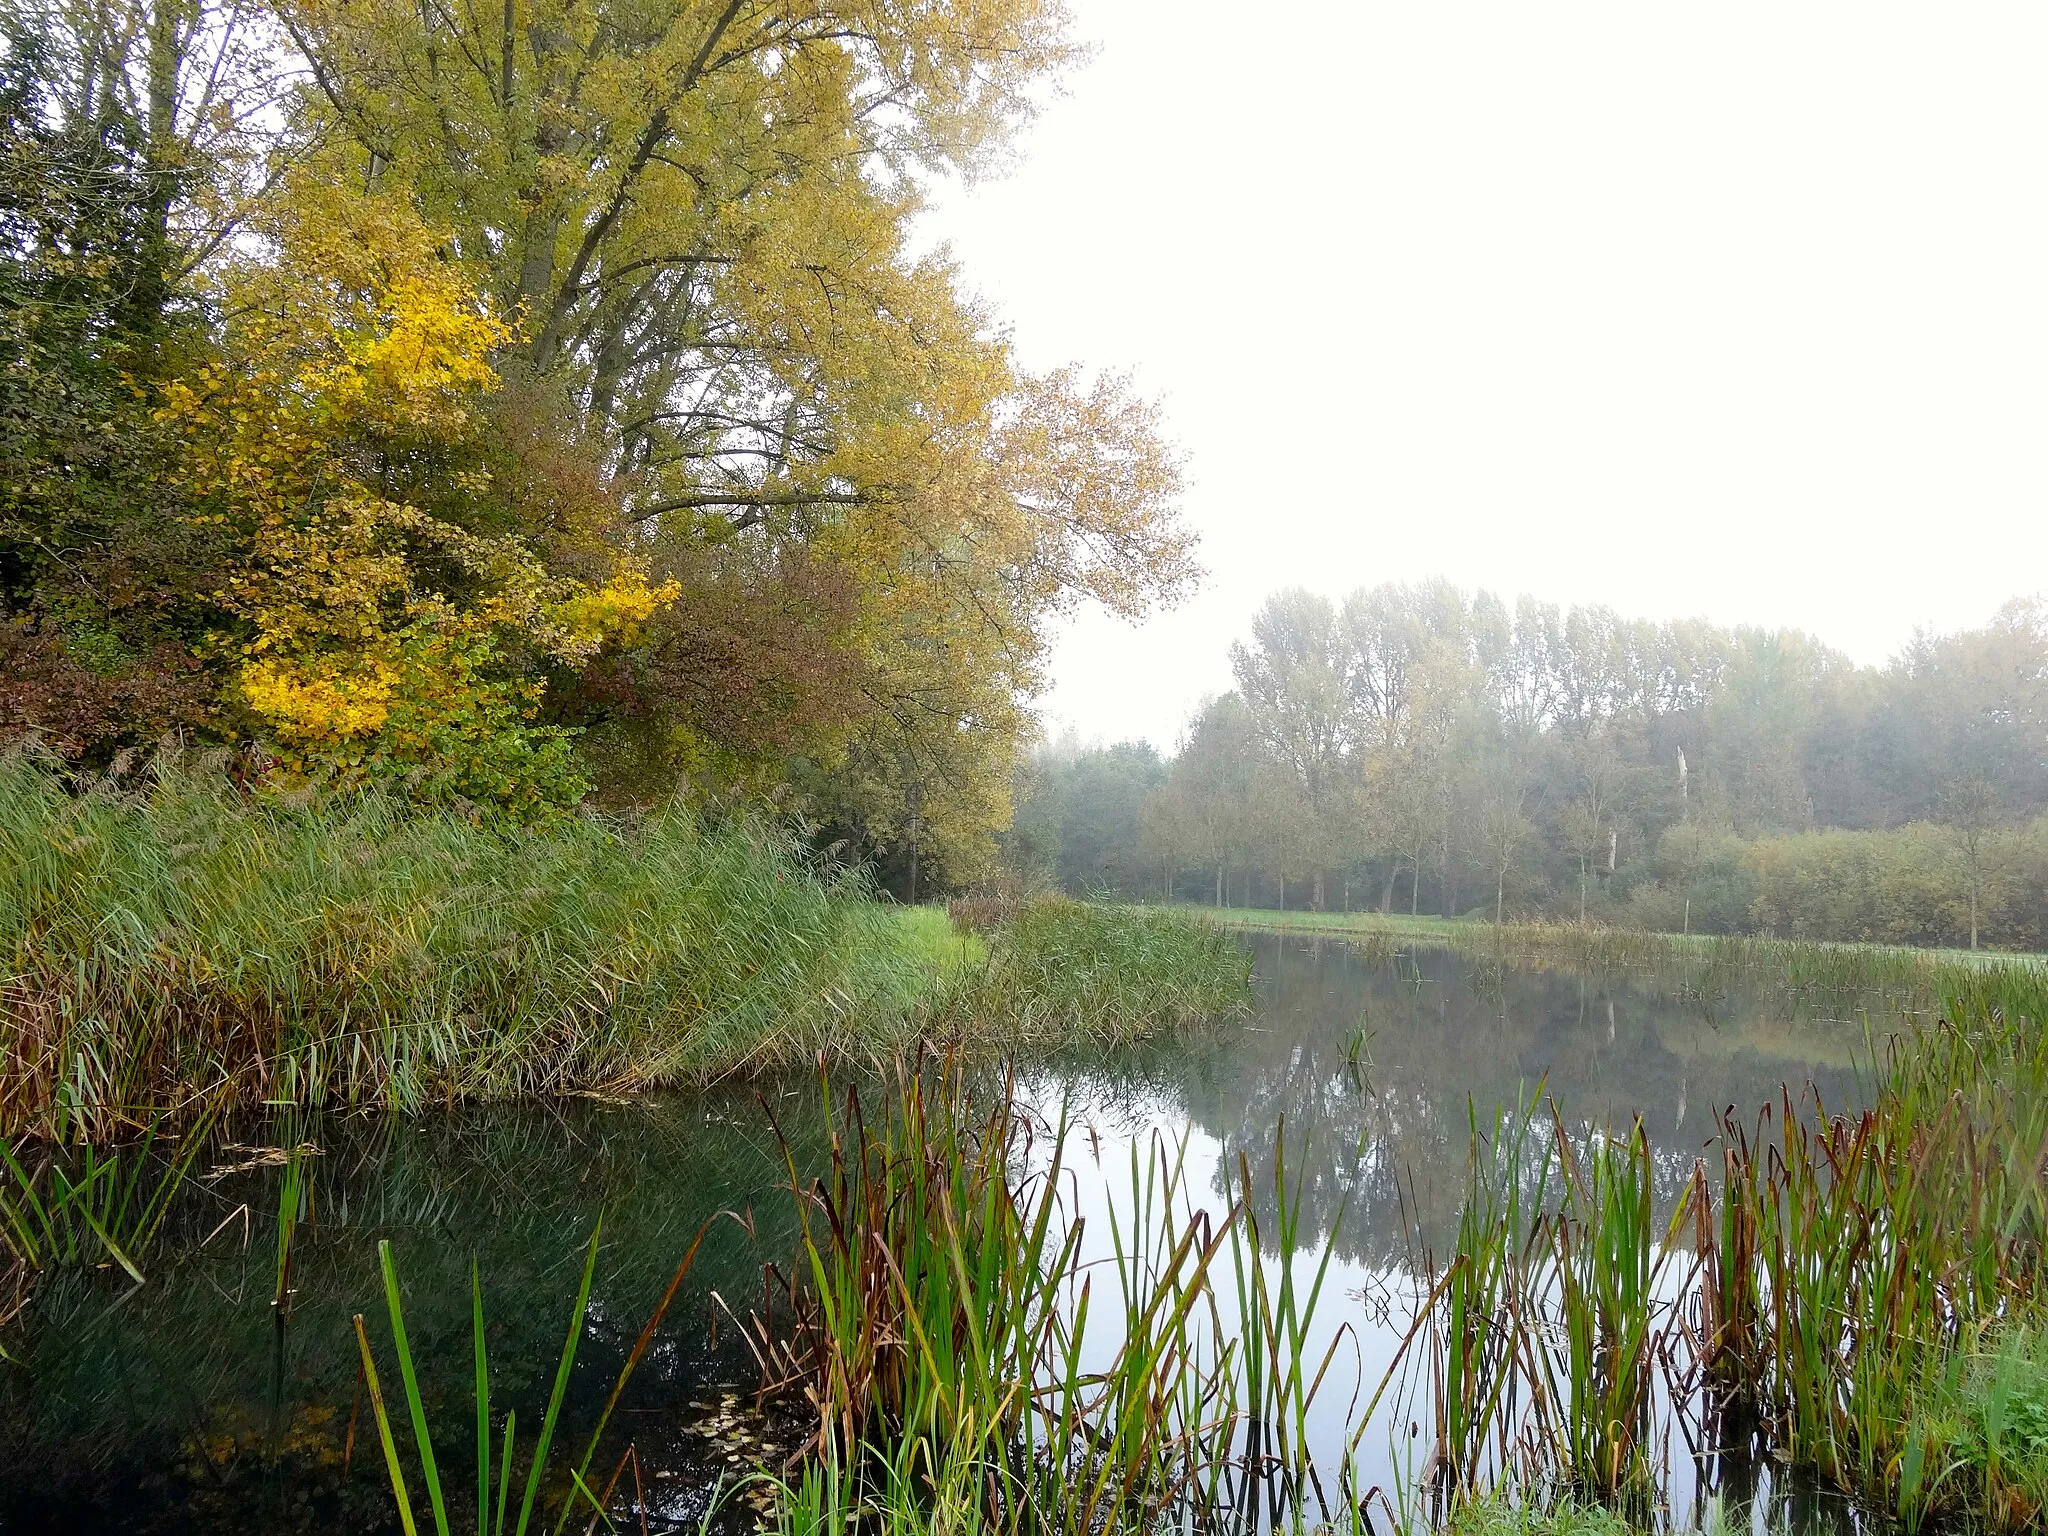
(1738, 310)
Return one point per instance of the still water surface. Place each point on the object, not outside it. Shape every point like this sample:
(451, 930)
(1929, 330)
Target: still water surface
(184, 1404)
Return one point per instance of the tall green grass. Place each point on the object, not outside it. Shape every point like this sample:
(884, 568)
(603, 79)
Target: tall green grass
(1057, 969)
(969, 1368)
(178, 943)
(550, 1486)
(88, 1205)
(1553, 1321)
(184, 941)
(1864, 1295)
(1890, 1256)
(966, 1362)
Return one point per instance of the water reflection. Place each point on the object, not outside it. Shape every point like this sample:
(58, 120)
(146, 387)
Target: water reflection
(182, 1405)
(1448, 1040)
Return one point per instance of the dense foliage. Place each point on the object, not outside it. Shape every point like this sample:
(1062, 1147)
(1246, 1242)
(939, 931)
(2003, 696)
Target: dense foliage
(179, 943)
(1415, 748)
(502, 407)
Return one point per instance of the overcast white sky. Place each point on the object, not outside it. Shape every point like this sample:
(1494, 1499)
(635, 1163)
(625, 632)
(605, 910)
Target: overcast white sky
(1738, 310)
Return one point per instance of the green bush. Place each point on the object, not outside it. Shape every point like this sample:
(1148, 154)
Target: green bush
(1904, 885)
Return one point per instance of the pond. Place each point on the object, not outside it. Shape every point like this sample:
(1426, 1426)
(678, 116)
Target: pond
(192, 1403)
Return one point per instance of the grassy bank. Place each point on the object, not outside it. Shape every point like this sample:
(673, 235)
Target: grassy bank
(1698, 958)
(179, 943)
(1059, 969)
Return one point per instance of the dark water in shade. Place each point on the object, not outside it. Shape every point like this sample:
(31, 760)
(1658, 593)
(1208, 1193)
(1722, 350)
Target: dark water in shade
(183, 1405)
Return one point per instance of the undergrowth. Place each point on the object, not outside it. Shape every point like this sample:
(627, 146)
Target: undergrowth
(1058, 968)
(178, 943)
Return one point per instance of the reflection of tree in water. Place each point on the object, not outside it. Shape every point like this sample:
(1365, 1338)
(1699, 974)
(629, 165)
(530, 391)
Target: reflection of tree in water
(1448, 1041)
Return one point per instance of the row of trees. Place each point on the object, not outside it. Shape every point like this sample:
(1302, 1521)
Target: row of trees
(1417, 748)
(511, 402)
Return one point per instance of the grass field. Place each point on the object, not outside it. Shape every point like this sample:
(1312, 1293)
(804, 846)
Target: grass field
(1565, 943)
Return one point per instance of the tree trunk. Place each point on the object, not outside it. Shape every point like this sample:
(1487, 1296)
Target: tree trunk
(1283, 893)
(150, 290)
(1219, 887)
(1387, 890)
(1321, 901)
(1500, 895)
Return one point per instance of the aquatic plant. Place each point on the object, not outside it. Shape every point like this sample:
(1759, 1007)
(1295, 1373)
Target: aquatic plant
(90, 1204)
(1552, 1322)
(1865, 1293)
(1859, 1297)
(572, 1487)
(181, 942)
(945, 1330)
(1058, 969)
(1893, 1249)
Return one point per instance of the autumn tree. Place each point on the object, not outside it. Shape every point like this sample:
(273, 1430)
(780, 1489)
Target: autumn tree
(1295, 680)
(1215, 776)
(383, 624)
(532, 320)
(134, 137)
(699, 216)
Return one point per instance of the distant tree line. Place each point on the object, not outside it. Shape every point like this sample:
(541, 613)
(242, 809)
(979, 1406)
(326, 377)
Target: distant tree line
(1416, 749)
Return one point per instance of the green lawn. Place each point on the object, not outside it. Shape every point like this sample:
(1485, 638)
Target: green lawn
(1462, 932)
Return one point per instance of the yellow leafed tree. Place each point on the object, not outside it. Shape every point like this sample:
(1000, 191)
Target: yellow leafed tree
(697, 212)
(378, 637)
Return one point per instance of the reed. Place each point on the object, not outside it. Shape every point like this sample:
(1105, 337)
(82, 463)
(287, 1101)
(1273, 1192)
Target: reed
(1613, 1266)
(1477, 1315)
(1864, 1294)
(970, 1366)
(184, 938)
(1860, 1297)
(176, 942)
(1898, 1248)
(89, 1205)
(1058, 969)
(1552, 1322)
(564, 1489)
